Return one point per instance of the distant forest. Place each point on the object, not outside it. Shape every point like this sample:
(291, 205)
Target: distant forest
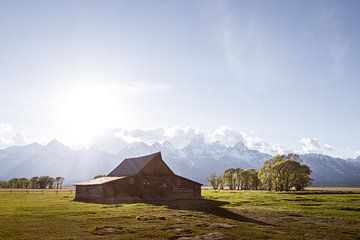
(41, 182)
(280, 173)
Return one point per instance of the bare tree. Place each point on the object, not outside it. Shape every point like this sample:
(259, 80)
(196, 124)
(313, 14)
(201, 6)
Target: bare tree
(213, 181)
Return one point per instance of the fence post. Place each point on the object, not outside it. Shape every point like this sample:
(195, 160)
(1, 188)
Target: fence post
(11, 191)
(42, 192)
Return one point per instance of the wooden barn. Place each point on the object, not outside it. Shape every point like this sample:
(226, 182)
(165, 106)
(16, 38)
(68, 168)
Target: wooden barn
(145, 178)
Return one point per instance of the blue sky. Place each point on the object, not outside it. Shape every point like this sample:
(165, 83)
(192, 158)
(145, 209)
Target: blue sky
(286, 70)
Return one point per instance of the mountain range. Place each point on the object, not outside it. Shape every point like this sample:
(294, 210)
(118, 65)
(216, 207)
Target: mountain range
(196, 160)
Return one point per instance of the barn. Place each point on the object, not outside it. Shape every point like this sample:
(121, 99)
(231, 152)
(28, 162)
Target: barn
(145, 178)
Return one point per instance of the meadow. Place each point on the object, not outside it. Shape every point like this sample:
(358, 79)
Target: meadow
(219, 215)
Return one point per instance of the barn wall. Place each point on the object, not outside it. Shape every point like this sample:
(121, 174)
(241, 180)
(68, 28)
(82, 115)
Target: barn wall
(126, 189)
(197, 190)
(121, 190)
(168, 187)
(156, 187)
(185, 188)
(165, 186)
(156, 181)
(89, 192)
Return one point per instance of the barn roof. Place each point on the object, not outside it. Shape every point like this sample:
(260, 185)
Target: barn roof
(132, 166)
(98, 181)
(189, 180)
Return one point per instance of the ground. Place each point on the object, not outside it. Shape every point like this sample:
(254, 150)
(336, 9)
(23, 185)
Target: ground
(219, 215)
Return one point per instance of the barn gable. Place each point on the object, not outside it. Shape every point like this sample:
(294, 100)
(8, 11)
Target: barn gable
(157, 167)
(133, 166)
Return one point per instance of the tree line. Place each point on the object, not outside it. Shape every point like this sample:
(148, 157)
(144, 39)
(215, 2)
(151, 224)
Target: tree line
(41, 182)
(235, 178)
(280, 173)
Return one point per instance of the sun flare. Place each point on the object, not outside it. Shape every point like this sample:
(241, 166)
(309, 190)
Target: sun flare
(86, 111)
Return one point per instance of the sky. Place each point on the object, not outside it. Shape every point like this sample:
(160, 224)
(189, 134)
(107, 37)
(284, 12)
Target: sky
(284, 71)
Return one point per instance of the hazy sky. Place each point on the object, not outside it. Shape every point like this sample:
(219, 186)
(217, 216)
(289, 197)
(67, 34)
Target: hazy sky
(286, 70)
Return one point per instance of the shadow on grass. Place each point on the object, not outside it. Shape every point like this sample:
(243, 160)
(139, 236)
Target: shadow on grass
(208, 206)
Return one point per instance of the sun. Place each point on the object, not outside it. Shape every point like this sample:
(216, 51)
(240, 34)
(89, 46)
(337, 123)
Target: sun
(86, 111)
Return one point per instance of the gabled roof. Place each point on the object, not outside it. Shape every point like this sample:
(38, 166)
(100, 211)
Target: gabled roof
(132, 166)
(98, 181)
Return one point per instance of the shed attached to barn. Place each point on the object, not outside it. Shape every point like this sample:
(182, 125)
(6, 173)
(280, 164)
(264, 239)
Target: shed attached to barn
(145, 178)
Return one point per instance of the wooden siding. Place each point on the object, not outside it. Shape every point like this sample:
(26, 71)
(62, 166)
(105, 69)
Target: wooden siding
(156, 167)
(91, 192)
(185, 188)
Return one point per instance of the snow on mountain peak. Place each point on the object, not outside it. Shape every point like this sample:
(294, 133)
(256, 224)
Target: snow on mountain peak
(226, 136)
(240, 146)
(198, 140)
(168, 145)
(55, 144)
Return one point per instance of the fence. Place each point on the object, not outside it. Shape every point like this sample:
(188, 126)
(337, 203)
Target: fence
(36, 191)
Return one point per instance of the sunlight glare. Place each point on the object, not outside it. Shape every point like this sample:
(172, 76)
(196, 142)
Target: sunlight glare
(86, 111)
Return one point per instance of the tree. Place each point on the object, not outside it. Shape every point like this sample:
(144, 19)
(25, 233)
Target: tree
(284, 172)
(230, 178)
(24, 183)
(265, 175)
(291, 174)
(45, 182)
(292, 157)
(221, 181)
(235, 178)
(3, 183)
(245, 180)
(238, 172)
(34, 182)
(254, 181)
(51, 181)
(213, 181)
(58, 182)
(302, 179)
(13, 183)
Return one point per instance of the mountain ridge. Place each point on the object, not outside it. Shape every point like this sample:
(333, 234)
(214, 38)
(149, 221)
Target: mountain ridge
(196, 160)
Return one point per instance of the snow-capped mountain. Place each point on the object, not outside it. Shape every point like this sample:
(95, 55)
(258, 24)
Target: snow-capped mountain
(329, 171)
(196, 160)
(54, 159)
(199, 158)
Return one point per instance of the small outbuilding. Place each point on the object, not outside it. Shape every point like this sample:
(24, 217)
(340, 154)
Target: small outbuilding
(145, 178)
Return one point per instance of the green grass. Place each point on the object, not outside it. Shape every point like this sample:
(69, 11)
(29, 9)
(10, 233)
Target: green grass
(249, 215)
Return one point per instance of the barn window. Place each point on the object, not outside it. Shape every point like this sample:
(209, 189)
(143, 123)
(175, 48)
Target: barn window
(131, 180)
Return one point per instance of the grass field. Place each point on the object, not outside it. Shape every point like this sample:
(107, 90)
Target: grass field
(220, 215)
(335, 189)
